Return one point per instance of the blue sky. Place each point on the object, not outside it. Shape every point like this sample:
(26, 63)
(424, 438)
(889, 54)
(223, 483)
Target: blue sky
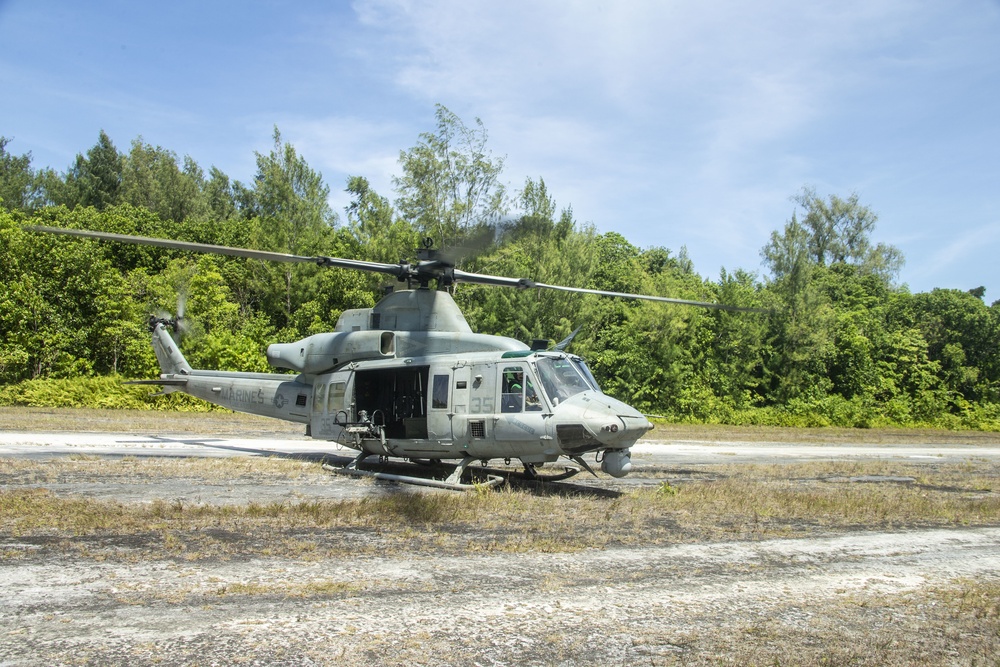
(675, 123)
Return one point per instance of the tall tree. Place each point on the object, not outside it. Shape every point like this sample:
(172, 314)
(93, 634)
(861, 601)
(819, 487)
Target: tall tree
(291, 198)
(17, 179)
(96, 179)
(831, 233)
(538, 212)
(291, 202)
(152, 179)
(219, 196)
(382, 236)
(834, 231)
(450, 183)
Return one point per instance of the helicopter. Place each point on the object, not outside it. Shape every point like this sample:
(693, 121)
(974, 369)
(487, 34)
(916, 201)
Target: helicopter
(409, 379)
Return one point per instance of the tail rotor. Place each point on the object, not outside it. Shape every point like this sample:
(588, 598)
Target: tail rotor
(177, 323)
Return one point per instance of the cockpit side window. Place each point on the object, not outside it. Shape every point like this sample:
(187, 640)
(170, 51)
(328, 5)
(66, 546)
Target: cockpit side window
(532, 403)
(512, 389)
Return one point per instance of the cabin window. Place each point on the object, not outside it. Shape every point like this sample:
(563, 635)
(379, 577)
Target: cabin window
(335, 401)
(319, 393)
(439, 396)
(517, 391)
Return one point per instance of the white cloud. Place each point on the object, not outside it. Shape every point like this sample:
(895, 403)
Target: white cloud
(676, 123)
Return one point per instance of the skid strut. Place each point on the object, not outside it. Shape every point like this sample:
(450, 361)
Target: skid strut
(454, 481)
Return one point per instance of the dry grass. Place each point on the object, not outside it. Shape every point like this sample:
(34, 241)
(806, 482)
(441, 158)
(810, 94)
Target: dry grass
(838, 495)
(76, 467)
(707, 503)
(143, 421)
(214, 590)
(79, 467)
(955, 624)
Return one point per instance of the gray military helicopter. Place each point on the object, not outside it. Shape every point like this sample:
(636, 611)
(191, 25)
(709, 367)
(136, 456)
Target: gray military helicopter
(409, 378)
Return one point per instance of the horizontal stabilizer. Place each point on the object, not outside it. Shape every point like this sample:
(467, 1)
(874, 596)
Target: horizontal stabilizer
(169, 386)
(166, 383)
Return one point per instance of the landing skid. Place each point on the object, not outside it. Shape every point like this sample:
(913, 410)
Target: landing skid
(531, 474)
(453, 483)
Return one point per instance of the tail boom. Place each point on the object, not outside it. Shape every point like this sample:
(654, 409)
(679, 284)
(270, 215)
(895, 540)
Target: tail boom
(268, 394)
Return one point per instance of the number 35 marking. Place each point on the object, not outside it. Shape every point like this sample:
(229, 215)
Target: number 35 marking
(481, 405)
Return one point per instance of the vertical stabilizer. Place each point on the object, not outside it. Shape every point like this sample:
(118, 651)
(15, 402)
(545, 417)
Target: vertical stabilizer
(172, 362)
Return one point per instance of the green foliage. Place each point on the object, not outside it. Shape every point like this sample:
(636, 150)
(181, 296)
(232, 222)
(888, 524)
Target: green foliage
(95, 392)
(962, 335)
(66, 311)
(151, 179)
(378, 233)
(17, 179)
(450, 183)
(841, 344)
(95, 179)
(837, 231)
(292, 200)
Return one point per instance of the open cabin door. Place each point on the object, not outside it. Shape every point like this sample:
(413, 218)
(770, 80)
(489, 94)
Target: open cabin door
(394, 399)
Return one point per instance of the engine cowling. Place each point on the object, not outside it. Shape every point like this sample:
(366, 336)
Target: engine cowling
(323, 352)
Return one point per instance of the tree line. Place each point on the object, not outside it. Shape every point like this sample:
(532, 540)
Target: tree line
(842, 343)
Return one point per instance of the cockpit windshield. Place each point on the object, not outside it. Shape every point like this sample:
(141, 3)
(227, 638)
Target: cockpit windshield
(584, 369)
(564, 376)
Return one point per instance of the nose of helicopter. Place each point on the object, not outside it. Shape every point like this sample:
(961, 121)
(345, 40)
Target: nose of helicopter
(607, 422)
(613, 422)
(615, 428)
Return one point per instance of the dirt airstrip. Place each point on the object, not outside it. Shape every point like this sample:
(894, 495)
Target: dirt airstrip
(217, 539)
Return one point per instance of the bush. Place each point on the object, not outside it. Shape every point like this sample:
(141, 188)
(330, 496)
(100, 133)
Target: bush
(97, 392)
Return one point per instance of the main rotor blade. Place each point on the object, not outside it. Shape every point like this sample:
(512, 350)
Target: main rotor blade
(439, 269)
(524, 283)
(264, 255)
(649, 297)
(493, 281)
